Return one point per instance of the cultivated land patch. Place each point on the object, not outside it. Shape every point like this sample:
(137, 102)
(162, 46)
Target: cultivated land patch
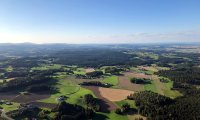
(114, 94)
(108, 96)
(137, 75)
(87, 70)
(125, 83)
(152, 69)
(106, 105)
(147, 68)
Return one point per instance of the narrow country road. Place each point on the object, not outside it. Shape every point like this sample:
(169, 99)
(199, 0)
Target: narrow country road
(3, 114)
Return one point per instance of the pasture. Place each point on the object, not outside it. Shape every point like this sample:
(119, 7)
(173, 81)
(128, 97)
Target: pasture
(113, 80)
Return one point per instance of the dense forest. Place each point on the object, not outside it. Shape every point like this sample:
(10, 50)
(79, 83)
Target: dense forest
(158, 107)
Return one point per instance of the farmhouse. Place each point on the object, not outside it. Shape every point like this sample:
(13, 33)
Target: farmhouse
(61, 98)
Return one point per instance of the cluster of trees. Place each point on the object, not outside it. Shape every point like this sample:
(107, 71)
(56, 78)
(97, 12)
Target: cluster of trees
(114, 70)
(17, 73)
(63, 111)
(158, 107)
(165, 61)
(164, 80)
(25, 113)
(25, 62)
(124, 109)
(95, 74)
(24, 82)
(90, 75)
(93, 57)
(39, 88)
(25, 77)
(96, 83)
(92, 102)
(50, 72)
(25, 72)
(140, 81)
(190, 75)
(66, 111)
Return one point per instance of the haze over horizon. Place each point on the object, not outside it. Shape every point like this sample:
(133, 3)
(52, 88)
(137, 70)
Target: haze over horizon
(99, 21)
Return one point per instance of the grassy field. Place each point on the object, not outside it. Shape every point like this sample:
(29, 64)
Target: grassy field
(110, 116)
(171, 93)
(148, 54)
(80, 71)
(64, 88)
(162, 88)
(9, 69)
(73, 91)
(48, 67)
(111, 80)
(151, 69)
(130, 102)
(151, 87)
(7, 108)
(135, 69)
(156, 85)
(77, 98)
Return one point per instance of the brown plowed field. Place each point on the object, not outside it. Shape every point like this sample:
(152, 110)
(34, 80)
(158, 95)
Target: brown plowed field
(106, 105)
(114, 94)
(108, 96)
(89, 70)
(125, 83)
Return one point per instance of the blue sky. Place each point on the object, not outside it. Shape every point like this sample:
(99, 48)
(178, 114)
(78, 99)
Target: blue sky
(99, 21)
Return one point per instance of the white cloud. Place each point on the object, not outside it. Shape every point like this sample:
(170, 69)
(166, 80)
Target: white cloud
(182, 36)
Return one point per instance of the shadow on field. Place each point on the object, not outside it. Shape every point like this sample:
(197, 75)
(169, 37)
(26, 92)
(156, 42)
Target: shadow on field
(104, 106)
(100, 117)
(132, 111)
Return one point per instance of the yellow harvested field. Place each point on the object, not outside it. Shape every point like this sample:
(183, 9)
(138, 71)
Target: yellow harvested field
(148, 68)
(137, 75)
(114, 94)
(89, 70)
